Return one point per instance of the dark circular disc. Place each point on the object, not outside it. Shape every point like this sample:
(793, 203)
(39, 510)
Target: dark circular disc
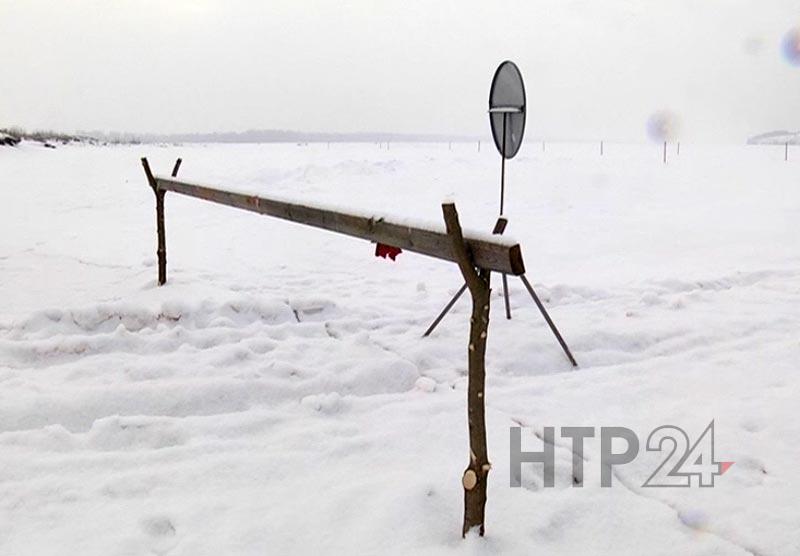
(507, 102)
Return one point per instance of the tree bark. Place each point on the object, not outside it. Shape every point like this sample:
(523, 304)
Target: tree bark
(476, 474)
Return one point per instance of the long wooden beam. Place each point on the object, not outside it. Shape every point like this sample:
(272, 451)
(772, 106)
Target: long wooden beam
(488, 253)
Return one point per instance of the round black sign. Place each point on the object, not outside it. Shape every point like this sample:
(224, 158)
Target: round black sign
(507, 109)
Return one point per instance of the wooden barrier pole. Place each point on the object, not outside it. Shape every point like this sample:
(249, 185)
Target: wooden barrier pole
(489, 253)
(475, 476)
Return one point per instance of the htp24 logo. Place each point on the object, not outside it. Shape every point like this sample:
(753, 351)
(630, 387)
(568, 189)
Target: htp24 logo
(682, 460)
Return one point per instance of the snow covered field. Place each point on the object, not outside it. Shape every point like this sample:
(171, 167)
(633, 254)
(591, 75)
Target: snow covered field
(276, 397)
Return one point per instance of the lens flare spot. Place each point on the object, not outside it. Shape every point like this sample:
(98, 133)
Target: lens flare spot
(663, 126)
(791, 46)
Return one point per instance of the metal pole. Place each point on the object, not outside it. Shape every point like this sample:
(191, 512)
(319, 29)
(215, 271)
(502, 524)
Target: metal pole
(505, 295)
(503, 166)
(499, 228)
(548, 319)
(446, 310)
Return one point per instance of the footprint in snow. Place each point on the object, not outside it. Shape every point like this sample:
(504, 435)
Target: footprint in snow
(161, 533)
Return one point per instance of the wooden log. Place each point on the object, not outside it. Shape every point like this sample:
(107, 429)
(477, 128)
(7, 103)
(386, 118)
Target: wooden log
(488, 254)
(476, 474)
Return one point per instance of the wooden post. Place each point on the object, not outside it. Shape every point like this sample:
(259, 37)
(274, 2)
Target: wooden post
(786, 152)
(678, 150)
(161, 250)
(479, 146)
(475, 476)
(665, 152)
(601, 148)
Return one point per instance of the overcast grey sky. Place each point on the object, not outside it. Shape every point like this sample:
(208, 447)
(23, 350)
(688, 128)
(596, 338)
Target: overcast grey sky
(592, 68)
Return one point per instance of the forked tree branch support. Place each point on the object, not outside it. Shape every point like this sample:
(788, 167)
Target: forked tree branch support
(476, 474)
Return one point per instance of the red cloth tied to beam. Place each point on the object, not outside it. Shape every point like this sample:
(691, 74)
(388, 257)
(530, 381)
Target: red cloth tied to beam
(384, 251)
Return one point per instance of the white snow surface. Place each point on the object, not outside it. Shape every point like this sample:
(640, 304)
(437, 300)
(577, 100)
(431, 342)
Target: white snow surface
(276, 396)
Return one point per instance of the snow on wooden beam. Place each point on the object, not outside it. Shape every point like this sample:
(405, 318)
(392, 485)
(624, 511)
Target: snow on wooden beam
(489, 253)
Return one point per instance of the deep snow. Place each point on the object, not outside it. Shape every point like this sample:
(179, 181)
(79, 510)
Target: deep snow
(276, 397)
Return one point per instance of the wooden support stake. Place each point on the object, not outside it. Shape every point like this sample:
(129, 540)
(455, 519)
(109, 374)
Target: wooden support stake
(161, 250)
(475, 476)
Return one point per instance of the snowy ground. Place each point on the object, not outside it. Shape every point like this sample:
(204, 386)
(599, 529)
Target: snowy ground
(276, 396)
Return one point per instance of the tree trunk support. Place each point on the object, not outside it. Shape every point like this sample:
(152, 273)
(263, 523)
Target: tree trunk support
(161, 251)
(478, 281)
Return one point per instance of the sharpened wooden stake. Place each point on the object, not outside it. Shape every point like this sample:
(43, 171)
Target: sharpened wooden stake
(477, 471)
